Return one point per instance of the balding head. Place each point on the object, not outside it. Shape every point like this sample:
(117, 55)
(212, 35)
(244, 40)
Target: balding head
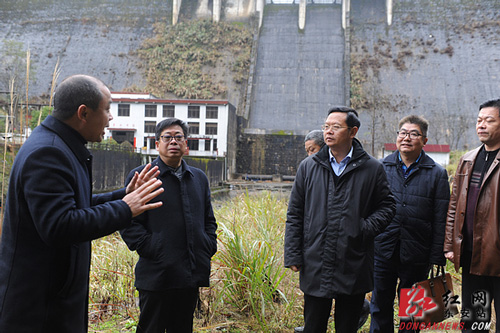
(75, 91)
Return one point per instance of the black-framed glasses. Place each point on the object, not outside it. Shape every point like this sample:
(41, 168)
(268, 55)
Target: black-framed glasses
(333, 128)
(167, 138)
(413, 134)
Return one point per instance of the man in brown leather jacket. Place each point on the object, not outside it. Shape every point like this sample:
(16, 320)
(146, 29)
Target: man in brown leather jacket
(472, 228)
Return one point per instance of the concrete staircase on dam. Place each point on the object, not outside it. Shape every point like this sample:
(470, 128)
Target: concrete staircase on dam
(298, 73)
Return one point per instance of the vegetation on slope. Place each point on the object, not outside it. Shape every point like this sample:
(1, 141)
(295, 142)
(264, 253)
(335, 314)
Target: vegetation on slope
(183, 59)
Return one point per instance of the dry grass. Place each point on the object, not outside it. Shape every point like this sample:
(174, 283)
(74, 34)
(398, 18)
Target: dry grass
(250, 290)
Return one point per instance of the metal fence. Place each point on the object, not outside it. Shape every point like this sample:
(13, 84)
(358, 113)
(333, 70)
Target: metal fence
(112, 164)
(291, 2)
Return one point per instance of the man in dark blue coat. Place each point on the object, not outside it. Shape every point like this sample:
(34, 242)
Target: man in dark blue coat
(414, 238)
(340, 201)
(51, 215)
(176, 242)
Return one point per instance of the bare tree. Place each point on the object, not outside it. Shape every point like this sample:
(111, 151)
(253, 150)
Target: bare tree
(450, 128)
(383, 112)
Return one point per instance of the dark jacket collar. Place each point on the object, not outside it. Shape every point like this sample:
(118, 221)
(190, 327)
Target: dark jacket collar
(323, 156)
(424, 162)
(71, 137)
(165, 169)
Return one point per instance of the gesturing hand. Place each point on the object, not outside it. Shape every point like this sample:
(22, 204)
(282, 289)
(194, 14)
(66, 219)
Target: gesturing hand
(138, 199)
(139, 179)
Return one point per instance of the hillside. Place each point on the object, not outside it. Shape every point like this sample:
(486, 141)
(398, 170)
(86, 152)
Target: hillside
(94, 37)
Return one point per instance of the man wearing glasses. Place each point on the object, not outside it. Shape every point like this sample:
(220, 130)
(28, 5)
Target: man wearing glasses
(176, 242)
(340, 201)
(414, 239)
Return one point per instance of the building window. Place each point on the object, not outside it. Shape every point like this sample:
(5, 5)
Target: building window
(210, 128)
(150, 110)
(122, 136)
(215, 145)
(212, 112)
(123, 110)
(194, 128)
(168, 111)
(149, 126)
(193, 111)
(194, 144)
(152, 143)
(207, 145)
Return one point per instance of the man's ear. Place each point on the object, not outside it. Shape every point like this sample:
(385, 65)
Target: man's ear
(82, 112)
(354, 130)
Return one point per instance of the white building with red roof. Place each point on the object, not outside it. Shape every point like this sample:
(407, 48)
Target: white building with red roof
(135, 116)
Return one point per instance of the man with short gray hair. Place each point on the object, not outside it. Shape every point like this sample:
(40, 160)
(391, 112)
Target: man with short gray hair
(313, 142)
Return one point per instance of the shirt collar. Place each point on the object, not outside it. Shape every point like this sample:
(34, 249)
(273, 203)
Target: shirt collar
(345, 160)
(418, 159)
(408, 169)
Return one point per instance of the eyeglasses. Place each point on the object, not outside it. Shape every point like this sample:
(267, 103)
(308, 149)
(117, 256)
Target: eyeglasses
(168, 138)
(333, 128)
(413, 135)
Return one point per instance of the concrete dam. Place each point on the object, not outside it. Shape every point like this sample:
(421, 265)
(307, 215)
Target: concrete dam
(434, 58)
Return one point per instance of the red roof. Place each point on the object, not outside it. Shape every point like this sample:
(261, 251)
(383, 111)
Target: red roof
(169, 101)
(427, 148)
(155, 99)
(121, 129)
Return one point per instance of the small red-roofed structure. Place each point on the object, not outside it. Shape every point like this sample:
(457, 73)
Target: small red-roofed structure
(439, 153)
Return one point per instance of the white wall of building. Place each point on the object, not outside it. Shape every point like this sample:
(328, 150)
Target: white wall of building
(438, 157)
(136, 120)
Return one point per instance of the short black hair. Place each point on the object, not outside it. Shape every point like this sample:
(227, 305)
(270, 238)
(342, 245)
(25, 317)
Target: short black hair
(75, 91)
(352, 119)
(417, 120)
(166, 123)
(493, 103)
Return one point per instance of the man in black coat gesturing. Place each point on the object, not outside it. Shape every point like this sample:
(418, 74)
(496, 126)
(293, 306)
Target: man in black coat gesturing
(340, 201)
(51, 215)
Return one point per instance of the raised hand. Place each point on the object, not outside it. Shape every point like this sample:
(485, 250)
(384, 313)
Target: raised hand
(140, 178)
(138, 199)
